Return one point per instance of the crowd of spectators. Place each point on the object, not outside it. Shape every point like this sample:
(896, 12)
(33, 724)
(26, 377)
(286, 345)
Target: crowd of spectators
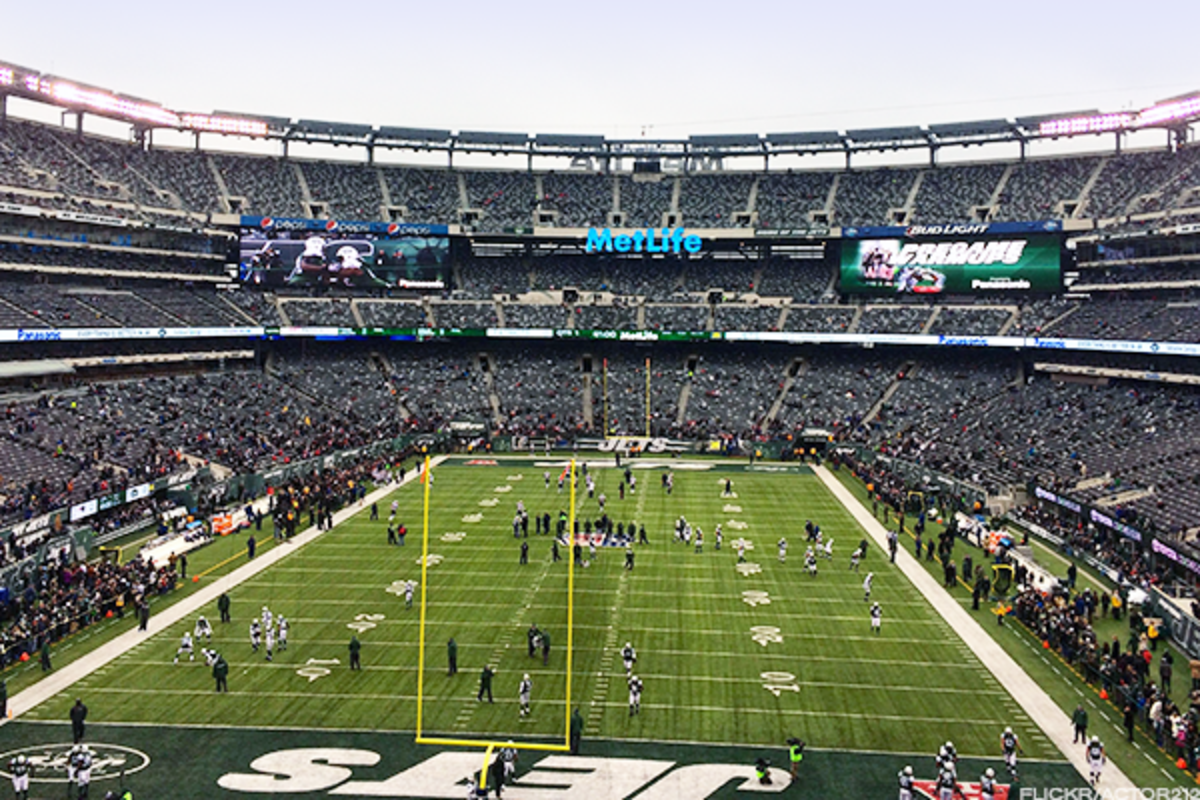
(129, 180)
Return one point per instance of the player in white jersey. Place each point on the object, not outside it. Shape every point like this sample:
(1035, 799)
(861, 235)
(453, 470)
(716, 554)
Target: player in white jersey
(1096, 759)
(987, 785)
(185, 646)
(810, 562)
(83, 769)
(741, 550)
(855, 557)
(718, 537)
(255, 635)
(20, 769)
(699, 541)
(947, 759)
(635, 695)
(1010, 745)
(782, 550)
(876, 618)
(408, 593)
(546, 478)
(203, 628)
(905, 777)
(283, 633)
(508, 757)
(629, 656)
(524, 692)
(829, 549)
(266, 618)
(947, 785)
(270, 637)
(210, 656)
(867, 586)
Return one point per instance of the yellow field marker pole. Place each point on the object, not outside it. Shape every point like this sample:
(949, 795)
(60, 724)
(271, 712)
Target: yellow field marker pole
(570, 604)
(487, 759)
(490, 745)
(647, 398)
(424, 573)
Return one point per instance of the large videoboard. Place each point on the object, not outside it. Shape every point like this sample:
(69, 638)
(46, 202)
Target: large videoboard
(276, 252)
(957, 264)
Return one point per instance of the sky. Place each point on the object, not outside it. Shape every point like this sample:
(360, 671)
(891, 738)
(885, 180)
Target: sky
(622, 68)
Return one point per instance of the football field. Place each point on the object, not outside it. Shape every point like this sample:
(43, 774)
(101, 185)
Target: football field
(735, 657)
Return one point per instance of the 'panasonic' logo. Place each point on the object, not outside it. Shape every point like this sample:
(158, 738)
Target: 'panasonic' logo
(38, 336)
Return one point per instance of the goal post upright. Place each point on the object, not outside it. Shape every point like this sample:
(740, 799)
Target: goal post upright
(489, 744)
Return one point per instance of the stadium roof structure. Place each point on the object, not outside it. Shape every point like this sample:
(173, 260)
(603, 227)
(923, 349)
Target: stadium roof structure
(1174, 115)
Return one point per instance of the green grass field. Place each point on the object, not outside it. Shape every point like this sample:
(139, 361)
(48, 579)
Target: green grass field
(794, 657)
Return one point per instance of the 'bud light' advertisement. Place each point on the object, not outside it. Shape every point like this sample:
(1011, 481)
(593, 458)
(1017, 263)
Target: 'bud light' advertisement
(308, 258)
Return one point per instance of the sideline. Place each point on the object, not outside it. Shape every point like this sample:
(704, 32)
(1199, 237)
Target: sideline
(64, 678)
(1042, 710)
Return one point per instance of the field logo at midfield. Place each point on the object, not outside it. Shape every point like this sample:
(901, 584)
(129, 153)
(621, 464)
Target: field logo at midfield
(432, 560)
(454, 536)
(732, 509)
(489, 502)
(49, 761)
(556, 777)
(736, 525)
(502, 489)
(748, 568)
(472, 518)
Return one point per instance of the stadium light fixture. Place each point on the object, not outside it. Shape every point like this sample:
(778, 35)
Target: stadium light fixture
(105, 103)
(230, 125)
(1077, 125)
(6, 76)
(1169, 112)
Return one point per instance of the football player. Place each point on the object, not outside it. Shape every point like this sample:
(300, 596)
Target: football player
(987, 785)
(629, 656)
(21, 771)
(905, 776)
(270, 637)
(810, 561)
(1096, 759)
(876, 618)
(283, 633)
(203, 628)
(255, 635)
(867, 587)
(524, 692)
(1011, 745)
(185, 646)
(83, 769)
(635, 695)
(782, 550)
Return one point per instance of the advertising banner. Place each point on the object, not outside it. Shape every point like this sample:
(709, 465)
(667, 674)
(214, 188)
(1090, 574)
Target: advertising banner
(967, 264)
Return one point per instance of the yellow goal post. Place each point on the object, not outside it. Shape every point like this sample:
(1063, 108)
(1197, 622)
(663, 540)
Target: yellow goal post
(487, 744)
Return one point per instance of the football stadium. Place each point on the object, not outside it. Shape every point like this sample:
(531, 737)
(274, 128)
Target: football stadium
(364, 460)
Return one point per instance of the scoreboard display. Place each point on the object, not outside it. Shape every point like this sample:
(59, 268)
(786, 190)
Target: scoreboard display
(962, 264)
